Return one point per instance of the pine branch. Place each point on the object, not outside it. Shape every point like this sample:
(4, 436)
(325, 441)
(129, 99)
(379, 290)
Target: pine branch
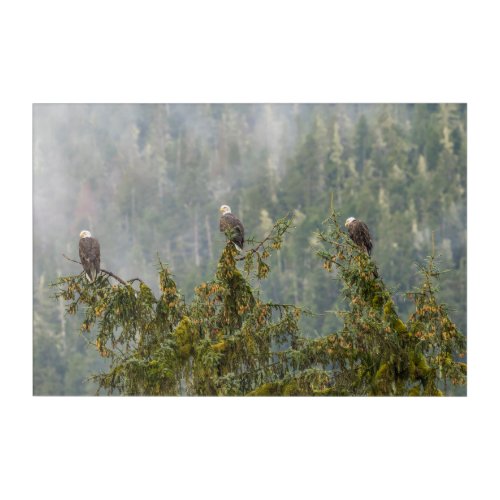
(256, 248)
(287, 222)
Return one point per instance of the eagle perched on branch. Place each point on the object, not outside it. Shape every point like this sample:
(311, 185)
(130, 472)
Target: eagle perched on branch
(230, 223)
(90, 255)
(358, 231)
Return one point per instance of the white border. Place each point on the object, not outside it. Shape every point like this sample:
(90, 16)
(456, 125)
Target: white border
(258, 51)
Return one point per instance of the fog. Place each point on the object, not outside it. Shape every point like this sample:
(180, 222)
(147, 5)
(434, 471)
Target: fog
(148, 180)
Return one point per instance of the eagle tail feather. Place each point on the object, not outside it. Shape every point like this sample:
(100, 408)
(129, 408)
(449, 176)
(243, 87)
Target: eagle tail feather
(91, 275)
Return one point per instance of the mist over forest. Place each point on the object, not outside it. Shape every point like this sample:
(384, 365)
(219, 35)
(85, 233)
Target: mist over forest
(148, 179)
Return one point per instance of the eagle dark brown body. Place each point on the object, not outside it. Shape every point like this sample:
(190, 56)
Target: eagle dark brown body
(229, 222)
(90, 257)
(358, 231)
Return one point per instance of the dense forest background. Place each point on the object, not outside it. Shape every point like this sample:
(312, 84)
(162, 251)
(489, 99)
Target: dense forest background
(147, 181)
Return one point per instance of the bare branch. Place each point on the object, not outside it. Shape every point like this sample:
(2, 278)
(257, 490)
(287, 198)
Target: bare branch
(135, 279)
(109, 273)
(75, 261)
(117, 278)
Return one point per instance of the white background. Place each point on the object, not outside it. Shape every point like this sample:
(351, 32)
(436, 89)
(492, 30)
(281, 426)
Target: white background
(258, 51)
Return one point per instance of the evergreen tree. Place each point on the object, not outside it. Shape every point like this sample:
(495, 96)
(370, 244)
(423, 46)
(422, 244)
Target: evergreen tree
(376, 353)
(226, 342)
(148, 179)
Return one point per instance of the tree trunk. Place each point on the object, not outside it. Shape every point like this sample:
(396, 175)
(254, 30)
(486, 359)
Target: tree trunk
(197, 259)
(209, 238)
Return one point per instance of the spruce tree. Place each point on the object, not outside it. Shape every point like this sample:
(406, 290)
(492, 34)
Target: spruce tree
(376, 352)
(227, 341)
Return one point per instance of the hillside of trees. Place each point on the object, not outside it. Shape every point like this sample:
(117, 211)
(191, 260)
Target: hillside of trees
(147, 181)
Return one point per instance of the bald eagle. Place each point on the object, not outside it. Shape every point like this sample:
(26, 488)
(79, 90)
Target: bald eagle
(90, 255)
(358, 231)
(230, 223)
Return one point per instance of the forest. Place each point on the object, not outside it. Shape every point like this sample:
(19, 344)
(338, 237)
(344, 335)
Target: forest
(305, 313)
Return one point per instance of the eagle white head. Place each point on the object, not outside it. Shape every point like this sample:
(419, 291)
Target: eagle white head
(349, 220)
(85, 234)
(225, 209)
